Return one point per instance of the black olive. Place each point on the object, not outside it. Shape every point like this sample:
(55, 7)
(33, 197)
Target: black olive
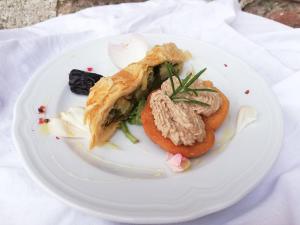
(80, 82)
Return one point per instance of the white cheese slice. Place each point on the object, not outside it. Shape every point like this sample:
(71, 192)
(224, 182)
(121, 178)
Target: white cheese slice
(70, 124)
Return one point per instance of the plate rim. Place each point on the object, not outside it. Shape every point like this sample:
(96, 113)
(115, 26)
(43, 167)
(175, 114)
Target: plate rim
(145, 220)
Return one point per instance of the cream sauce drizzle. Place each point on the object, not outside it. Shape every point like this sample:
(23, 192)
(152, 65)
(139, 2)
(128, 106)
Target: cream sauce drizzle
(246, 116)
(143, 172)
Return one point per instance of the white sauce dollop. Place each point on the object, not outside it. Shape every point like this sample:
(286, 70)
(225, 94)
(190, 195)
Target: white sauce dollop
(133, 49)
(70, 124)
(246, 116)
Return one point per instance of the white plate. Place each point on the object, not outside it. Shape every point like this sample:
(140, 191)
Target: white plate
(132, 183)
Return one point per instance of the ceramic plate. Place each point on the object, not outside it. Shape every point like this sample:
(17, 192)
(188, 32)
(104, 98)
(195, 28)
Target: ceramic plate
(130, 182)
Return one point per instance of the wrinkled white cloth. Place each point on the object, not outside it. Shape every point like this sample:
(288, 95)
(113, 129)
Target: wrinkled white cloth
(272, 49)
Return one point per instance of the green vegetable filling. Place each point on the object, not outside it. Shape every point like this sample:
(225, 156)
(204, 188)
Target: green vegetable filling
(130, 107)
(135, 115)
(127, 133)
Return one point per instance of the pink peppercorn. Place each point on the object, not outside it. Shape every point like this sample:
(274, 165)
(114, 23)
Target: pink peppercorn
(90, 69)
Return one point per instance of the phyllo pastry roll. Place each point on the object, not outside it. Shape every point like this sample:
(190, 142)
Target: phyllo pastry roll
(113, 98)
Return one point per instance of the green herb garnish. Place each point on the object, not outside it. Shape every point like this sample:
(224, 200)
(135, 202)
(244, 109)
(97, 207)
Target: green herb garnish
(170, 74)
(134, 118)
(184, 86)
(190, 101)
(135, 115)
(127, 133)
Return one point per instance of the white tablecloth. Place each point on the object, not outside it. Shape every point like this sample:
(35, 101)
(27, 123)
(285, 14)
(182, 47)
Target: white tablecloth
(272, 49)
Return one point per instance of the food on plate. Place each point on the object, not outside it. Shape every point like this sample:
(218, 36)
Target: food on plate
(112, 99)
(246, 116)
(80, 81)
(180, 115)
(215, 120)
(42, 109)
(42, 121)
(165, 143)
(132, 49)
(69, 124)
(178, 163)
(177, 116)
(127, 133)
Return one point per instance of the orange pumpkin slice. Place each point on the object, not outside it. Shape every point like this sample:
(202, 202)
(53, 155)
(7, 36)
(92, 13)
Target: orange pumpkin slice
(211, 124)
(215, 120)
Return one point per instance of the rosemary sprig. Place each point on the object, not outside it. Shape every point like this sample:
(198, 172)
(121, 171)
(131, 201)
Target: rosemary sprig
(184, 86)
(181, 87)
(192, 90)
(190, 101)
(195, 77)
(187, 78)
(170, 74)
(202, 89)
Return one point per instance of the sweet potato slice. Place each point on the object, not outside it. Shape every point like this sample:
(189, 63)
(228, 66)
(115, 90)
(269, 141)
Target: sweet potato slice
(212, 123)
(215, 120)
(193, 151)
